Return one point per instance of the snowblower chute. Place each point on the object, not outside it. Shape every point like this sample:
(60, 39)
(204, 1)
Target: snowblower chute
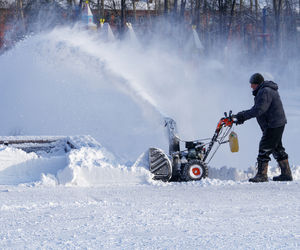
(191, 163)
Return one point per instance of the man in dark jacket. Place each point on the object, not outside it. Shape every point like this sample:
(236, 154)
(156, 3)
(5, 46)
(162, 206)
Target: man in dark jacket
(269, 112)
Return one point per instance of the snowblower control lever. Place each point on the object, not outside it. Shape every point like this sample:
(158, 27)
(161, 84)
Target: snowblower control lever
(226, 121)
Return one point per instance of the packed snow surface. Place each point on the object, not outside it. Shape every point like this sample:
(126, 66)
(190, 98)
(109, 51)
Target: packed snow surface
(99, 194)
(210, 214)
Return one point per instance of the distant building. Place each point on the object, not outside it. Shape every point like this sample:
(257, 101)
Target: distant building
(88, 17)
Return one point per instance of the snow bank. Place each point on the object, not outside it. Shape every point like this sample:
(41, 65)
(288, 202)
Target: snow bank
(48, 180)
(89, 164)
(234, 174)
(16, 166)
(96, 166)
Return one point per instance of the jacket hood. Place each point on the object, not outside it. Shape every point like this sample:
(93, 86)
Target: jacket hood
(270, 84)
(265, 84)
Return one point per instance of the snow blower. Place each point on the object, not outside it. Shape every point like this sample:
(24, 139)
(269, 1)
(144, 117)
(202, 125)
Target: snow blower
(191, 163)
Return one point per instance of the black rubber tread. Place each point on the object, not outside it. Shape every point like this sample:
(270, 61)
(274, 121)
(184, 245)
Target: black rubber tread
(185, 176)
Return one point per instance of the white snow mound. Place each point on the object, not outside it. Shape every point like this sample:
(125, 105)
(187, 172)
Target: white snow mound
(234, 174)
(97, 166)
(17, 166)
(88, 164)
(91, 164)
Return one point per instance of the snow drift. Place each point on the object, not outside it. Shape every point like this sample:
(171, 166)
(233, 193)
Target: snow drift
(87, 165)
(90, 164)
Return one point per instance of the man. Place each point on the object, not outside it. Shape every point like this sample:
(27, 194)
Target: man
(269, 112)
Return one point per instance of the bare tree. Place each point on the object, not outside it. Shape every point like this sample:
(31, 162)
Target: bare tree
(277, 6)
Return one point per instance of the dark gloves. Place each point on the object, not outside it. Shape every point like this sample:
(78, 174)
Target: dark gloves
(240, 118)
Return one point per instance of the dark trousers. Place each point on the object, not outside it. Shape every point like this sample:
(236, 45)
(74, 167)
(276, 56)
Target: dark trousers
(271, 143)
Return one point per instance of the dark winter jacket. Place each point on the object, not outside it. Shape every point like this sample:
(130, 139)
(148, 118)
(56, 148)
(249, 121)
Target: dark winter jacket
(268, 108)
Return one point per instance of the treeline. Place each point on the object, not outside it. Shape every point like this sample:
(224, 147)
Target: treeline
(219, 23)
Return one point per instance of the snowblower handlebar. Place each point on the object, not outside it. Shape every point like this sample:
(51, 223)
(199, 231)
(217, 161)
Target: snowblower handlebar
(226, 121)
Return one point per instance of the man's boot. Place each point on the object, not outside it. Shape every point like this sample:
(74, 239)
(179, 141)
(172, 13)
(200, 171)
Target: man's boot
(286, 174)
(261, 175)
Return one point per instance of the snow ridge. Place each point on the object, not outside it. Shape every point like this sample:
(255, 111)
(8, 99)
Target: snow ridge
(91, 164)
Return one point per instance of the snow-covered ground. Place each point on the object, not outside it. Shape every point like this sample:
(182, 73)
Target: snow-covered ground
(109, 101)
(209, 214)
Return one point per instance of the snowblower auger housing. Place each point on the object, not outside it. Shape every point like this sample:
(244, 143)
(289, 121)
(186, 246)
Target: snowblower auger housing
(189, 164)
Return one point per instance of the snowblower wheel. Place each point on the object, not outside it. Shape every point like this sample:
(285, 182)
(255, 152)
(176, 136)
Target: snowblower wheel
(194, 170)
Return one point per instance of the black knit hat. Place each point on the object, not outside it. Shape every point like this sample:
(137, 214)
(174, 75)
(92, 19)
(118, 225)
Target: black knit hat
(256, 78)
